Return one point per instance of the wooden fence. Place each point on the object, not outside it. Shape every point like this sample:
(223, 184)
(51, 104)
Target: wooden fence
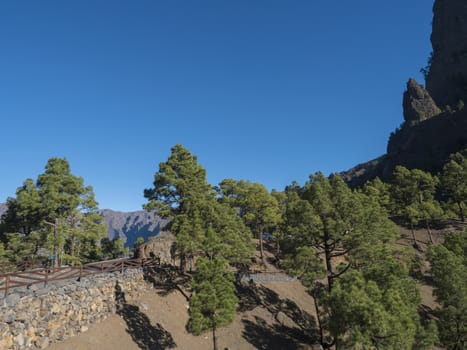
(8, 281)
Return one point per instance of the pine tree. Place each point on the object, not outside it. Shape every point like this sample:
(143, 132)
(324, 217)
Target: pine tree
(413, 197)
(182, 194)
(449, 270)
(64, 199)
(179, 193)
(300, 221)
(213, 302)
(258, 208)
(23, 213)
(378, 189)
(56, 212)
(371, 315)
(113, 249)
(344, 221)
(368, 301)
(3, 255)
(454, 183)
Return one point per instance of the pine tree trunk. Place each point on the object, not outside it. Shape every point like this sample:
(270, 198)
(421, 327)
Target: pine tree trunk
(56, 248)
(214, 338)
(415, 244)
(429, 232)
(461, 211)
(260, 236)
(78, 253)
(183, 262)
(320, 326)
(72, 249)
(261, 249)
(327, 256)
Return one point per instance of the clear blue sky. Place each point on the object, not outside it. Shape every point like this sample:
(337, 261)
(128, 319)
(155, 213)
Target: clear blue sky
(264, 90)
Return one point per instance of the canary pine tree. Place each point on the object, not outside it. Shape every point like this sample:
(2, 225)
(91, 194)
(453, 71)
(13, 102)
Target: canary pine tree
(213, 302)
(182, 194)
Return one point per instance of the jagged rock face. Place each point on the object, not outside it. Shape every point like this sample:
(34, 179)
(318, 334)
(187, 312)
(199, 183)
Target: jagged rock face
(424, 146)
(417, 103)
(427, 145)
(447, 77)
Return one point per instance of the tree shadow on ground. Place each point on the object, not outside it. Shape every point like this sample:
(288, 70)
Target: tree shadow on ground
(294, 326)
(264, 336)
(143, 333)
(167, 279)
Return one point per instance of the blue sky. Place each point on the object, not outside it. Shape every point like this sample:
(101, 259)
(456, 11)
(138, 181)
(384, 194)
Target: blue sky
(268, 91)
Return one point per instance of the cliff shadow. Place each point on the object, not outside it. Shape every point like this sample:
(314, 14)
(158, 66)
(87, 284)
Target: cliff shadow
(143, 333)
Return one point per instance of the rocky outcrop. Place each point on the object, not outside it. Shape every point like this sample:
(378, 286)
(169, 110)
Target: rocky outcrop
(446, 80)
(160, 247)
(417, 103)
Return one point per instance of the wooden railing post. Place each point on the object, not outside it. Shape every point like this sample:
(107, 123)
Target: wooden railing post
(123, 264)
(80, 271)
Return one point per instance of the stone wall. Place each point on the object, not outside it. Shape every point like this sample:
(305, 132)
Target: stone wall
(35, 317)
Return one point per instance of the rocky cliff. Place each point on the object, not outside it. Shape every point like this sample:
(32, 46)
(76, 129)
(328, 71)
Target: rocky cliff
(446, 80)
(425, 145)
(435, 121)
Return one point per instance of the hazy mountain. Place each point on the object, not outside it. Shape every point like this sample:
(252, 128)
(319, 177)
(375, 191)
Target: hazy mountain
(129, 226)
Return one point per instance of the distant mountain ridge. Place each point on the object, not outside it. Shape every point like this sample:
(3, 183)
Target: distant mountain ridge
(131, 225)
(128, 226)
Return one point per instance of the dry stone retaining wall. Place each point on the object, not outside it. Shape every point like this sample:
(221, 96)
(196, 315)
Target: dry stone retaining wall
(35, 317)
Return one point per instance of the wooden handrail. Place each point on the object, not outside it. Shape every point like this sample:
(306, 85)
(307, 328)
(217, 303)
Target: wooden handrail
(28, 278)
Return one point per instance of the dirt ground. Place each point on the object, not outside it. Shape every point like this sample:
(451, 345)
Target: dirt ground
(276, 313)
(273, 314)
